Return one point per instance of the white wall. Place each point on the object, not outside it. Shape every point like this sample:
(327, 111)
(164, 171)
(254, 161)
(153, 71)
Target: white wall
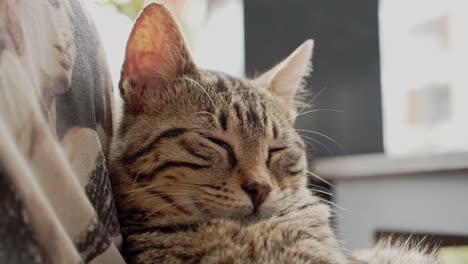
(435, 203)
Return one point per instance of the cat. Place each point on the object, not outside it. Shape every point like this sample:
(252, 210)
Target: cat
(206, 167)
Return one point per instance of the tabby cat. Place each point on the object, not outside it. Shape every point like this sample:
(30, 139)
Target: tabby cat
(207, 168)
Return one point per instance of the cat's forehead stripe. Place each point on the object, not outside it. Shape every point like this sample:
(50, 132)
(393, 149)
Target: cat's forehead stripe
(223, 120)
(236, 96)
(221, 85)
(238, 111)
(275, 130)
(170, 133)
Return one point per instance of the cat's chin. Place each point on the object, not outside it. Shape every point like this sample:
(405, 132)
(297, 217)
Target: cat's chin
(254, 218)
(251, 217)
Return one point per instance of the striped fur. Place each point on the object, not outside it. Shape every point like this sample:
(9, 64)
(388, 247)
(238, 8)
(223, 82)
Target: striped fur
(187, 143)
(200, 143)
(177, 172)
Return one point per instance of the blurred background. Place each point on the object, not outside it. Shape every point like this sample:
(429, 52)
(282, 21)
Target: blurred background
(388, 126)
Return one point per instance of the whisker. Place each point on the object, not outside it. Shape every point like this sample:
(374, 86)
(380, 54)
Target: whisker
(323, 135)
(213, 117)
(333, 204)
(159, 188)
(311, 100)
(134, 181)
(205, 113)
(309, 143)
(323, 192)
(151, 196)
(320, 178)
(170, 205)
(318, 94)
(201, 210)
(320, 190)
(318, 142)
(320, 110)
(201, 87)
(316, 186)
(139, 189)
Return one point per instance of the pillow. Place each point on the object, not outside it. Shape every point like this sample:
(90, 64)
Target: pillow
(55, 126)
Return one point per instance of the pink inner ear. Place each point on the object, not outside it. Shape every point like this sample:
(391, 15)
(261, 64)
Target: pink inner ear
(143, 65)
(153, 46)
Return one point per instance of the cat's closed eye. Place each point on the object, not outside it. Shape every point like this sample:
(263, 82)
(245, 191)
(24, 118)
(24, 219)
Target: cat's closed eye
(227, 147)
(272, 151)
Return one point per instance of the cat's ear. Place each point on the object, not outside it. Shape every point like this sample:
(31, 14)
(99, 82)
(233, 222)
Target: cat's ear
(155, 56)
(287, 78)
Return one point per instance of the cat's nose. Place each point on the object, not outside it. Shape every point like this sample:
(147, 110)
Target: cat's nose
(257, 192)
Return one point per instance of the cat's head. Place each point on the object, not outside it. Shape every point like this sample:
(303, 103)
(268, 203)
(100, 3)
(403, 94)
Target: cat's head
(200, 142)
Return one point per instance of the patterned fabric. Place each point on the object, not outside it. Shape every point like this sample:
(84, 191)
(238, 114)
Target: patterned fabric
(56, 202)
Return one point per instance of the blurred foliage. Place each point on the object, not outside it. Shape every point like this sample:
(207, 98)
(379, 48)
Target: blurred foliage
(130, 8)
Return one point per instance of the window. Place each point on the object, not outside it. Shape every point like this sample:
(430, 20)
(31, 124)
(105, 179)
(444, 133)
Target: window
(424, 83)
